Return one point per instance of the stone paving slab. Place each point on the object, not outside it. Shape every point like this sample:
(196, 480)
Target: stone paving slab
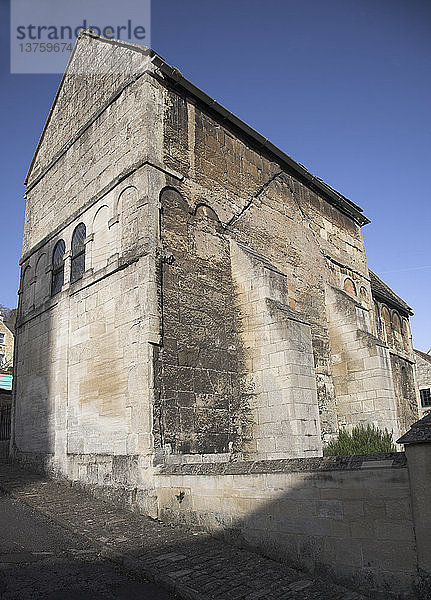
(192, 564)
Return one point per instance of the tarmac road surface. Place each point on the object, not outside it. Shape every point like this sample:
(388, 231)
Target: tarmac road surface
(40, 560)
(87, 548)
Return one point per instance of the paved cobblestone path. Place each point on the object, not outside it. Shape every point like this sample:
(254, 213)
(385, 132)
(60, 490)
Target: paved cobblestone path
(189, 563)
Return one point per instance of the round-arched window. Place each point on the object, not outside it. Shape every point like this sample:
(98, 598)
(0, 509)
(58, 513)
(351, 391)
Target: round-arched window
(349, 287)
(406, 334)
(386, 318)
(57, 267)
(77, 265)
(363, 294)
(396, 322)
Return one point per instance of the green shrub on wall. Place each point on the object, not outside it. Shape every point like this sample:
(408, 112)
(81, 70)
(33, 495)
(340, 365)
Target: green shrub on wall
(362, 440)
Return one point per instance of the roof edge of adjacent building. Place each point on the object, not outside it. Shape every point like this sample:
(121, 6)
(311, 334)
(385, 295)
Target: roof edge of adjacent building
(419, 432)
(5, 326)
(423, 355)
(381, 290)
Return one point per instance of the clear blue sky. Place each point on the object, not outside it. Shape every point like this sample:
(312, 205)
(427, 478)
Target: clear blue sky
(342, 86)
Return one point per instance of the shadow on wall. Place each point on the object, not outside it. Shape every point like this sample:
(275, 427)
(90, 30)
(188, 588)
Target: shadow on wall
(76, 343)
(177, 557)
(345, 519)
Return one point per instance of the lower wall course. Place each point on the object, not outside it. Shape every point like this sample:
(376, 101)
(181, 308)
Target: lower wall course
(329, 521)
(334, 520)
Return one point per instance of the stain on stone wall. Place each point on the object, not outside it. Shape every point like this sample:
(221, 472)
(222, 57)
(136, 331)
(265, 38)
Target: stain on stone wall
(405, 391)
(201, 407)
(175, 139)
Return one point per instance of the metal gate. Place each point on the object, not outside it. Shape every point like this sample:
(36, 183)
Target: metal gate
(5, 422)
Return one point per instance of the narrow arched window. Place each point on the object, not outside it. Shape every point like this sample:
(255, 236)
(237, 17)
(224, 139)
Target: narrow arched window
(57, 267)
(27, 290)
(386, 318)
(406, 334)
(349, 287)
(77, 265)
(363, 294)
(396, 322)
(379, 326)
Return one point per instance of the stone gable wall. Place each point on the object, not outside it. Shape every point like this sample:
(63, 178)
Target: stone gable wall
(423, 377)
(211, 320)
(85, 89)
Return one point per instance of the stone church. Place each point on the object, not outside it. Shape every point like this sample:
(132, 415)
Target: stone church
(189, 293)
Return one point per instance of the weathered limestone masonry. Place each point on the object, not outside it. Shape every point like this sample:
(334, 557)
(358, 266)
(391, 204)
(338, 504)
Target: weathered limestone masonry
(373, 357)
(348, 518)
(393, 329)
(423, 377)
(6, 345)
(198, 295)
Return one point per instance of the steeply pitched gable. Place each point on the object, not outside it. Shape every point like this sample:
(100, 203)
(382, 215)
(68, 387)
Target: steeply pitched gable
(88, 83)
(98, 69)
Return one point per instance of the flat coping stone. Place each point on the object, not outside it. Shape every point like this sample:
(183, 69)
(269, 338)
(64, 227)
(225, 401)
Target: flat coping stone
(357, 462)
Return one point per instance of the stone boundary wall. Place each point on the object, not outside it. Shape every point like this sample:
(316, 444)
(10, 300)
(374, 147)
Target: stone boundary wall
(345, 518)
(348, 518)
